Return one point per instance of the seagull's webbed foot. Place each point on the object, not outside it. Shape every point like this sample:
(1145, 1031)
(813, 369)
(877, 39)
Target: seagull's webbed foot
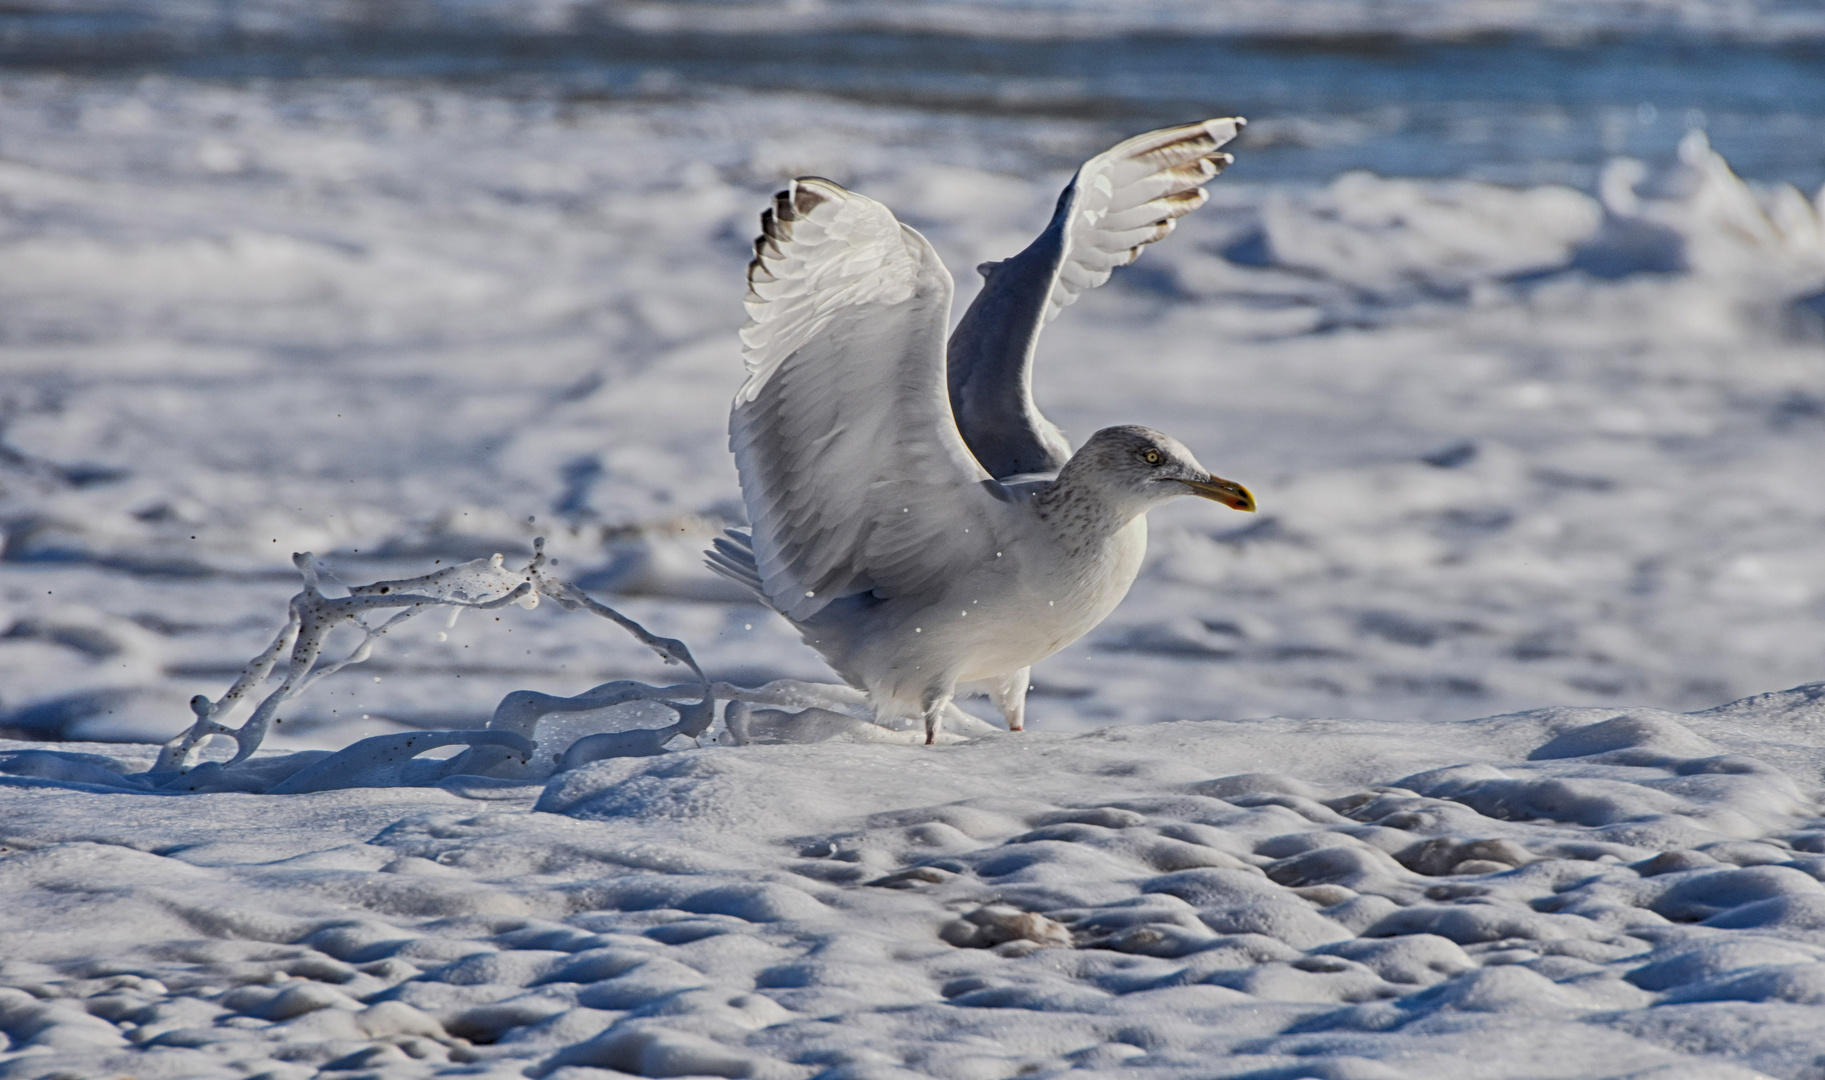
(1010, 696)
(934, 706)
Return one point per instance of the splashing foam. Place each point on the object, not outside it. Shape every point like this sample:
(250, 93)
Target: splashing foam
(507, 748)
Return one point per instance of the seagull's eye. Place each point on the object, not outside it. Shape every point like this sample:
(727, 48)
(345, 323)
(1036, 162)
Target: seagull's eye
(1152, 457)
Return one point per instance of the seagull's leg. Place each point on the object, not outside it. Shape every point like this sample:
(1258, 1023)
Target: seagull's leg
(936, 700)
(1010, 696)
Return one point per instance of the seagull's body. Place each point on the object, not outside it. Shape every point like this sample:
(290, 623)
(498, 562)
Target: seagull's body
(1051, 585)
(894, 520)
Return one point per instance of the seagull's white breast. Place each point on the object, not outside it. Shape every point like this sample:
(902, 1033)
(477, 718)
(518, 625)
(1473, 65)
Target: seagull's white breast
(1052, 602)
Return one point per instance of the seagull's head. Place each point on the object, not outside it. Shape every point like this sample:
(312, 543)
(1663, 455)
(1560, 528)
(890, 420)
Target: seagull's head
(1143, 467)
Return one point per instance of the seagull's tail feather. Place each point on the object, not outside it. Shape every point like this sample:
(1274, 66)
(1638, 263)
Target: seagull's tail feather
(733, 558)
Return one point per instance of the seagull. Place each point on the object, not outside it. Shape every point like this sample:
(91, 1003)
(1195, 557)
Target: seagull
(911, 512)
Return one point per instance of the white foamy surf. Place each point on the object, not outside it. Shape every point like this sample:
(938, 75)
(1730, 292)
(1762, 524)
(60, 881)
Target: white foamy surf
(1515, 447)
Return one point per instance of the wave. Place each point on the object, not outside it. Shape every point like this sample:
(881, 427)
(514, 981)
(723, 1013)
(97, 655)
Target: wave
(1427, 91)
(1340, 23)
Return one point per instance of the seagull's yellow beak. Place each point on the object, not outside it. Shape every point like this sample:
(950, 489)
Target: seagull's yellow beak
(1227, 492)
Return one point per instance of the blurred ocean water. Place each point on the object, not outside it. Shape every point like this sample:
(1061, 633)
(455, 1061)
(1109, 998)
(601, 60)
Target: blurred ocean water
(1530, 92)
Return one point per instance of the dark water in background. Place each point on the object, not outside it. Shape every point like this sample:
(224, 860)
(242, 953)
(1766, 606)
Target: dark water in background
(1516, 109)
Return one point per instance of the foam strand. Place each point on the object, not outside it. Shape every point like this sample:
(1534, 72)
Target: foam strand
(312, 617)
(810, 697)
(519, 714)
(571, 598)
(384, 760)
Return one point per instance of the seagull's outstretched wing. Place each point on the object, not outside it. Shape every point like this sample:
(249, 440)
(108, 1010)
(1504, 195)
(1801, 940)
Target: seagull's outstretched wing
(1119, 201)
(855, 477)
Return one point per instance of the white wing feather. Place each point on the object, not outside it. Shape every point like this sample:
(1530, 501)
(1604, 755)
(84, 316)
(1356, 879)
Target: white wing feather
(855, 477)
(1130, 196)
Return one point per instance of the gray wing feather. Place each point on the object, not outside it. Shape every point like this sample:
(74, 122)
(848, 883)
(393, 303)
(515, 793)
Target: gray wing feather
(854, 475)
(1119, 201)
(733, 558)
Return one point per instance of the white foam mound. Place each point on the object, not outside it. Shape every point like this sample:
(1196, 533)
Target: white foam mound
(1566, 893)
